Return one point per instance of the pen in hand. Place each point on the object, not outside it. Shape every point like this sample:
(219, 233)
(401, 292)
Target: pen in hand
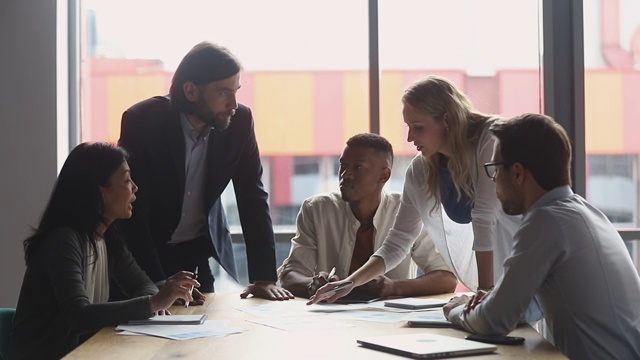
(329, 293)
(331, 274)
(195, 275)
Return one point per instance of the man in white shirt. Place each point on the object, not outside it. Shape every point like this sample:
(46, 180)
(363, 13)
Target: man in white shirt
(342, 230)
(566, 253)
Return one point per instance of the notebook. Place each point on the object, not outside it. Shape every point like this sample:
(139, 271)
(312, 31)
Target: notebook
(429, 319)
(171, 320)
(426, 345)
(415, 303)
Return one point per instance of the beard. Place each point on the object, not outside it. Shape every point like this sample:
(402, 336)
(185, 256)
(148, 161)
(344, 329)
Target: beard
(512, 206)
(218, 120)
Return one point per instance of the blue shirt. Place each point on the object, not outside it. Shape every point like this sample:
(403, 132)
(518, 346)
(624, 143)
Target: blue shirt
(457, 210)
(193, 220)
(570, 257)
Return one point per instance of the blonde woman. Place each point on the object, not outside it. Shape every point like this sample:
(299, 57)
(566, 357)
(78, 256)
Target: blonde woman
(446, 190)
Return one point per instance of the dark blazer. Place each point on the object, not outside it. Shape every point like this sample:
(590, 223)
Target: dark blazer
(152, 134)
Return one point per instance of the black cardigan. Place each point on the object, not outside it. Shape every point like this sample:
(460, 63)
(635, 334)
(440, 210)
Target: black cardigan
(53, 309)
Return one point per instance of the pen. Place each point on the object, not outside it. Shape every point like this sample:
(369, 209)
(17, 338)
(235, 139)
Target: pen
(195, 275)
(331, 291)
(331, 273)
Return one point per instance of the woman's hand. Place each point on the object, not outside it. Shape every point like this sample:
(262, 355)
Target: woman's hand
(176, 287)
(334, 295)
(319, 280)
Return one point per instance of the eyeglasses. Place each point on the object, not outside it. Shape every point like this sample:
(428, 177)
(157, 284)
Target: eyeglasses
(492, 168)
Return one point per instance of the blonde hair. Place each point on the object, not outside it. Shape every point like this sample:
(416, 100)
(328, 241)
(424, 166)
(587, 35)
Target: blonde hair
(439, 98)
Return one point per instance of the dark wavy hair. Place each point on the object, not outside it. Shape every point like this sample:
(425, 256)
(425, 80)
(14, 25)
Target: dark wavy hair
(204, 63)
(76, 201)
(540, 144)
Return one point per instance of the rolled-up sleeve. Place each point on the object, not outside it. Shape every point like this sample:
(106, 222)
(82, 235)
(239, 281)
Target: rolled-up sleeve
(303, 256)
(486, 205)
(426, 256)
(535, 248)
(406, 228)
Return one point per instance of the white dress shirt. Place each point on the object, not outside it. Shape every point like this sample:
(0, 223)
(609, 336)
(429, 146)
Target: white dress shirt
(570, 257)
(326, 237)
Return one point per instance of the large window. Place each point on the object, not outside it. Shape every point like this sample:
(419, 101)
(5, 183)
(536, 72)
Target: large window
(305, 78)
(308, 80)
(612, 110)
(307, 72)
(466, 41)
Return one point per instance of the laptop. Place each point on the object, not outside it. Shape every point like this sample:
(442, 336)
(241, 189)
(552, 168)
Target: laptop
(426, 345)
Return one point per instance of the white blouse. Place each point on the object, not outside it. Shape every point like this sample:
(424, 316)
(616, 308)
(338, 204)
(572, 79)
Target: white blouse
(490, 229)
(96, 279)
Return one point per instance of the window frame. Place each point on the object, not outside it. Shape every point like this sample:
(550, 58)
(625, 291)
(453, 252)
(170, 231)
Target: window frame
(563, 82)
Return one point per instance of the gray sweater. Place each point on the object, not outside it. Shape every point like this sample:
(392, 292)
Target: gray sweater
(53, 310)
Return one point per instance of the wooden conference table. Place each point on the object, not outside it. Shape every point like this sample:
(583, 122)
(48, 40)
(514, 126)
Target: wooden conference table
(262, 342)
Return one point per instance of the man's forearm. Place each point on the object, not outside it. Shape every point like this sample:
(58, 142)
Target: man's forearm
(296, 283)
(434, 282)
(373, 268)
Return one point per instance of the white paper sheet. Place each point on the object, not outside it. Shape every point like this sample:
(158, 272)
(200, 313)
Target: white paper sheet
(210, 328)
(300, 323)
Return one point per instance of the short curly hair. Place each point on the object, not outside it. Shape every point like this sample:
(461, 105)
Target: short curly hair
(373, 141)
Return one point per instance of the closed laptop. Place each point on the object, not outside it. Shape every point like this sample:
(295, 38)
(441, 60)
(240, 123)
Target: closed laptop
(426, 345)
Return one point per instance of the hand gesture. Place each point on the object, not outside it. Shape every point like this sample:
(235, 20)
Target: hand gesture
(267, 290)
(476, 300)
(176, 287)
(454, 303)
(334, 296)
(198, 299)
(319, 280)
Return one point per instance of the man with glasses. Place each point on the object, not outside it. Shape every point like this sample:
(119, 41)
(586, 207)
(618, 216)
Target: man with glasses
(566, 253)
(185, 149)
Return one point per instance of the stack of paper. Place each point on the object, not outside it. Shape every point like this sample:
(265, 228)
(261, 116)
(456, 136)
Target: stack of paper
(210, 328)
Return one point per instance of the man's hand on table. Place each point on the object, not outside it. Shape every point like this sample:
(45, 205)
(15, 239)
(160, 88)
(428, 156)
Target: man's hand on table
(454, 303)
(476, 300)
(470, 302)
(267, 290)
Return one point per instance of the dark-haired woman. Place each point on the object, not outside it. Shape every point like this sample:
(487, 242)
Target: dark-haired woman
(73, 254)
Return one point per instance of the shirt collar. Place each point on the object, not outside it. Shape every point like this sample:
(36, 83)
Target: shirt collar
(560, 192)
(188, 129)
(376, 217)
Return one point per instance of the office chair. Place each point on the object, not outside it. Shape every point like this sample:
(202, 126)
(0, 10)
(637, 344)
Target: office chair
(6, 320)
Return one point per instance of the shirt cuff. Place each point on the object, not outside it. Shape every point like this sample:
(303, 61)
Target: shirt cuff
(456, 315)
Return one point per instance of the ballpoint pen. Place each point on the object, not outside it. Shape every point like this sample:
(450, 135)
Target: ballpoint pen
(195, 275)
(329, 293)
(331, 274)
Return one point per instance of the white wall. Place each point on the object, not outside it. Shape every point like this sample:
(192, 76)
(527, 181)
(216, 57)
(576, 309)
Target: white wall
(27, 129)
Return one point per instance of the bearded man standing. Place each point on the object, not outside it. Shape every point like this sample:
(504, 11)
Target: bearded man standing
(185, 148)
